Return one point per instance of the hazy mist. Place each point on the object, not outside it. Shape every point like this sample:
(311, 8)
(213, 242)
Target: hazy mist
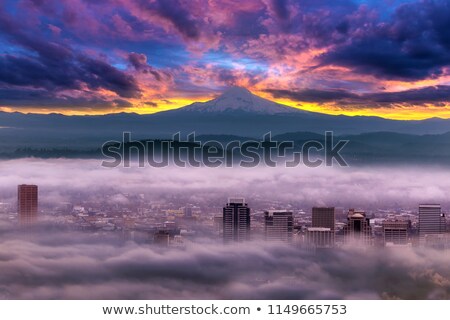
(332, 186)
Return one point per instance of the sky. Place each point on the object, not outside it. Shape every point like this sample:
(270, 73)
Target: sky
(388, 58)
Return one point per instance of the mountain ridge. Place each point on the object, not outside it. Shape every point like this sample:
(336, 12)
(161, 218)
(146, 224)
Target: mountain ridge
(380, 148)
(19, 130)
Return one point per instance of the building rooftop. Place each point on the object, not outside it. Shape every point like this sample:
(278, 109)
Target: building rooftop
(236, 200)
(272, 212)
(319, 229)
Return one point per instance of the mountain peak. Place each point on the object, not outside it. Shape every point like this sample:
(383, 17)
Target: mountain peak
(240, 99)
(236, 92)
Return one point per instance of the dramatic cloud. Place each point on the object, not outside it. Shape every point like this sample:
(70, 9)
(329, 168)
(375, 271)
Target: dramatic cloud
(139, 62)
(399, 48)
(179, 17)
(56, 66)
(312, 95)
(414, 96)
(326, 54)
(42, 99)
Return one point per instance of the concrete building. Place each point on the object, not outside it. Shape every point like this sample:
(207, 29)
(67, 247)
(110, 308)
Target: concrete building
(187, 212)
(278, 225)
(319, 237)
(236, 220)
(431, 220)
(27, 203)
(396, 232)
(358, 229)
(323, 217)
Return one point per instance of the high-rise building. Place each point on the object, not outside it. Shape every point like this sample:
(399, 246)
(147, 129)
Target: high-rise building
(128, 228)
(161, 237)
(236, 220)
(431, 220)
(317, 237)
(323, 217)
(358, 229)
(187, 212)
(218, 223)
(396, 232)
(27, 203)
(437, 241)
(278, 225)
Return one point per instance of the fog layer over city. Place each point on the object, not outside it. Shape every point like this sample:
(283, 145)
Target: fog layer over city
(64, 266)
(48, 262)
(331, 186)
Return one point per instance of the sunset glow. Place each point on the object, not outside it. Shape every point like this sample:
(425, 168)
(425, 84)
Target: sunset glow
(335, 57)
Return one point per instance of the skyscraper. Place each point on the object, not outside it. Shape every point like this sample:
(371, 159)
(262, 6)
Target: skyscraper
(27, 203)
(358, 228)
(431, 220)
(318, 237)
(323, 217)
(396, 232)
(236, 220)
(187, 212)
(278, 225)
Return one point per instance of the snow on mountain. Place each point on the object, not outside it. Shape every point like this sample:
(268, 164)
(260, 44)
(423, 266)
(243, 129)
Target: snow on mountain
(240, 99)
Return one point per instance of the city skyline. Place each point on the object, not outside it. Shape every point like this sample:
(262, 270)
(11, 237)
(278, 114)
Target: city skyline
(172, 247)
(236, 226)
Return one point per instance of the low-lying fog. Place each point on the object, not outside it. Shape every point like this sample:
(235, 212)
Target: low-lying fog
(332, 186)
(64, 266)
(72, 265)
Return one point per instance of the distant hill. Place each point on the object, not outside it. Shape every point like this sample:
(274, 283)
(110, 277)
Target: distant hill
(367, 148)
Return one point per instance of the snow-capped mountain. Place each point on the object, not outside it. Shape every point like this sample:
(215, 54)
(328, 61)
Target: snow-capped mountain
(240, 99)
(236, 112)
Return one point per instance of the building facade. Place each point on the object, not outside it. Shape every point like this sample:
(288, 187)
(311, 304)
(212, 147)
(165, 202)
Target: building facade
(358, 229)
(236, 221)
(323, 217)
(27, 203)
(431, 220)
(317, 237)
(278, 226)
(396, 232)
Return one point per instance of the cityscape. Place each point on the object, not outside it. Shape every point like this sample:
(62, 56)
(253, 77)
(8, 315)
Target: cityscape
(166, 224)
(224, 150)
(88, 232)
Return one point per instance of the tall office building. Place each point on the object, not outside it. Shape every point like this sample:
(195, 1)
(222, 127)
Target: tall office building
(187, 212)
(323, 217)
(431, 220)
(438, 241)
(358, 228)
(236, 220)
(318, 237)
(396, 232)
(218, 223)
(27, 203)
(161, 238)
(278, 225)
